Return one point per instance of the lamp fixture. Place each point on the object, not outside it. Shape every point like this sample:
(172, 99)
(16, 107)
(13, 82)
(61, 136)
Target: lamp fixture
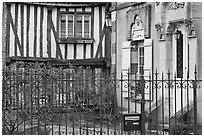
(177, 34)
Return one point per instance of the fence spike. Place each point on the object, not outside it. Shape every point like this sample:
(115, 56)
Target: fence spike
(195, 71)
(175, 74)
(149, 75)
(168, 73)
(188, 74)
(156, 72)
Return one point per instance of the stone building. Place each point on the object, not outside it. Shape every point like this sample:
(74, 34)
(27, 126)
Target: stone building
(145, 40)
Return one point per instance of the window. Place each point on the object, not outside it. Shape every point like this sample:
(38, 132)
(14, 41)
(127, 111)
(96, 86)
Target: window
(79, 26)
(134, 68)
(70, 26)
(179, 58)
(141, 61)
(66, 25)
(82, 28)
(63, 26)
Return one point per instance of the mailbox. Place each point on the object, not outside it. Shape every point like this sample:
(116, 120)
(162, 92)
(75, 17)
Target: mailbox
(132, 122)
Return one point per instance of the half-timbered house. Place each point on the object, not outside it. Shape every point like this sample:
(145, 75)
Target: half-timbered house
(58, 33)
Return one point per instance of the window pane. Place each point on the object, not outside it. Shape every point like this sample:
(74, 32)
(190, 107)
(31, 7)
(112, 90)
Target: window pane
(88, 9)
(86, 26)
(79, 9)
(141, 60)
(79, 26)
(134, 68)
(141, 70)
(63, 26)
(141, 51)
(70, 26)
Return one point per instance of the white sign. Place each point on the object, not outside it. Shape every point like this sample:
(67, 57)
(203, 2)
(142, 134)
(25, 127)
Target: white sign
(138, 34)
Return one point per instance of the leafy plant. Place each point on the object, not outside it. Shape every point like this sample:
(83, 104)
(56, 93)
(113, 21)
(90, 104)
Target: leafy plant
(34, 94)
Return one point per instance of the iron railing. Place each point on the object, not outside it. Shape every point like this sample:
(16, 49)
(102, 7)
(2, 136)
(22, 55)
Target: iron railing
(38, 99)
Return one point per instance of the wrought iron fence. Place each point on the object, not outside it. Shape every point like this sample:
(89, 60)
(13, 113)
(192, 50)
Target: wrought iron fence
(38, 99)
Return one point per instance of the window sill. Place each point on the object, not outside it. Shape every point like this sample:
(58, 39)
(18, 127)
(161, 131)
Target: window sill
(161, 40)
(192, 36)
(75, 40)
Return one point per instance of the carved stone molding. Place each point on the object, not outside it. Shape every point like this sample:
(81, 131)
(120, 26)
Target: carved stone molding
(175, 5)
(158, 27)
(190, 27)
(144, 12)
(160, 31)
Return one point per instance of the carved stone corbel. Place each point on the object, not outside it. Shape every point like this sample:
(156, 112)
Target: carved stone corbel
(170, 31)
(190, 27)
(159, 29)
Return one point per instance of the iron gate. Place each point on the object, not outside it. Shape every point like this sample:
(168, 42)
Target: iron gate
(38, 99)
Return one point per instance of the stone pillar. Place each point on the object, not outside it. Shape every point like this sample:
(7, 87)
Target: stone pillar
(168, 71)
(197, 20)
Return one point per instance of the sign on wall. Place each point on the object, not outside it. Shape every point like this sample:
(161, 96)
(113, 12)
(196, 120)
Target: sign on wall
(137, 29)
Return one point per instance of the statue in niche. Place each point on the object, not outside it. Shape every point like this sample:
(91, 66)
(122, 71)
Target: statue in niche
(137, 26)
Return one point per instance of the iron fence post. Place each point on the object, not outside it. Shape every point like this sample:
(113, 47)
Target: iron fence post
(142, 107)
(156, 86)
(195, 101)
(169, 86)
(162, 90)
(121, 88)
(128, 91)
(150, 101)
(175, 98)
(188, 124)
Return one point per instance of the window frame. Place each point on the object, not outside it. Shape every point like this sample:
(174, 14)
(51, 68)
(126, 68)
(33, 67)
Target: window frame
(139, 61)
(75, 14)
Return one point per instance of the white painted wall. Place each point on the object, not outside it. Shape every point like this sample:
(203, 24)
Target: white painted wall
(44, 31)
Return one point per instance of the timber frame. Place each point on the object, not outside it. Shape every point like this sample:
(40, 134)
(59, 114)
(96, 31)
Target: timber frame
(39, 19)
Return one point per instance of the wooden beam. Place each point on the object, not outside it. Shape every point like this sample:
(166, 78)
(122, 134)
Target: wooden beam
(84, 51)
(92, 22)
(75, 50)
(49, 18)
(15, 26)
(75, 40)
(41, 30)
(65, 46)
(92, 49)
(99, 50)
(17, 41)
(35, 31)
(58, 50)
(8, 30)
(27, 30)
(22, 28)
(98, 62)
(100, 33)
(108, 43)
